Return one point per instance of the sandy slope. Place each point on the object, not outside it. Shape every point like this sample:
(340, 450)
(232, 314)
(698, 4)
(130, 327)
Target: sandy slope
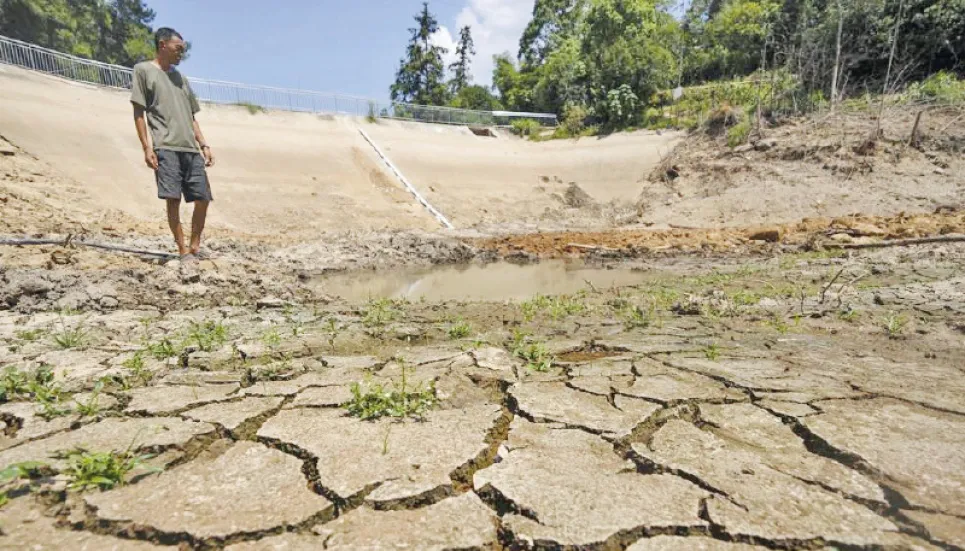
(299, 174)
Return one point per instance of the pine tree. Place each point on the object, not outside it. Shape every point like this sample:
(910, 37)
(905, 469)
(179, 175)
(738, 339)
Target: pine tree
(461, 78)
(421, 75)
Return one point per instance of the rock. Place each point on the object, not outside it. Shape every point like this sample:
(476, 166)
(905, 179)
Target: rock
(109, 303)
(689, 543)
(559, 403)
(25, 527)
(219, 497)
(760, 500)
(31, 424)
(765, 145)
(788, 408)
(771, 234)
(770, 375)
(270, 302)
(328, 396)
(232, 415)
(863, 229)
(746, 148)
(171, 399)
(921, 451)
(462, 522)
(658, 382)
(581, 492)
(410, 460)
(575, 197)
(111, 434)
(7, 151)
(841, 238)
(950, 530)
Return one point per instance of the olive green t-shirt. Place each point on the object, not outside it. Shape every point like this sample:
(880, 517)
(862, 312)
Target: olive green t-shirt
(170, 106)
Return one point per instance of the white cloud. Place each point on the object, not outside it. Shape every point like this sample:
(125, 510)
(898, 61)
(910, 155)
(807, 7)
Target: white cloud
(496, 28)
(443, 38)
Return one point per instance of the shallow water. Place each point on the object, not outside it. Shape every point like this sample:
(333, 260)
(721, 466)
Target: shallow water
(499, 281)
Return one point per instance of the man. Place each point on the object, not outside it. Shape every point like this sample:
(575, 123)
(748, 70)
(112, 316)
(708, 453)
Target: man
(176, 149)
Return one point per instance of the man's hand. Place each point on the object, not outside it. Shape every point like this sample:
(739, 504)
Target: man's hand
(150, 159)
(208, 156)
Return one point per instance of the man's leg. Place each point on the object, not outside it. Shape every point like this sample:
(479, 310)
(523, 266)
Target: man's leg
(174, 221)
(197, 224)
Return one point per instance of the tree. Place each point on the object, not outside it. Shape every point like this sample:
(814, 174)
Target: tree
(113, 31)
(461, 76)
(421, 75)
(553, 22)
(477, 98)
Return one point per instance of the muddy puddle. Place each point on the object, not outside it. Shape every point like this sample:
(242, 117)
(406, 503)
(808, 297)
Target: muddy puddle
(500, 281)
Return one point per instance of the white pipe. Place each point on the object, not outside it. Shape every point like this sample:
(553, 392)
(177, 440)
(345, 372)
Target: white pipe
(422, 200)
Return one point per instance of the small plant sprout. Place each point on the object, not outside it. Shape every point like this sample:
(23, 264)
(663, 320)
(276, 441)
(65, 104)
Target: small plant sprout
(779, 324)
(100, 470)
(332, 329)
(18, 471)
(895, 325)
(534, 354)
(399, 401)
(31, 335)
(162, 350)
(90, 408)
(637, 317)
(383, 311)
(460, 330)
(207, 335)
(848, 314)
(70, 337)
(712, 352)
(271, 339)
(558, 308)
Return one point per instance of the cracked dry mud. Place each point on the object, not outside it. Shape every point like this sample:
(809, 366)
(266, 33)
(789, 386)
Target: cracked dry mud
(738, 426)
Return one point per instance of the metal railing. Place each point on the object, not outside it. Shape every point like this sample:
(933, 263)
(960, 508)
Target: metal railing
(38, 58)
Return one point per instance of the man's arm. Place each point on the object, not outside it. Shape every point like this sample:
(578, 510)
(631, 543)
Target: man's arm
(140, 123)
(205, 149)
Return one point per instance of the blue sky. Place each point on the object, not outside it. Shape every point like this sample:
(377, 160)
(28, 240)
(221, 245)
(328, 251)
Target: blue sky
(344, 46)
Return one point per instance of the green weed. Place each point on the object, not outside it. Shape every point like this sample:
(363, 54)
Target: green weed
(534, 354)
(399, 401)
(100, 470)
(332, 329)
(271, 339)
(31, 335)
(848, 314)
(779, 324)
(17, 471)
(162, 349)
(207, 335)
(70, 337)
(90, 408)
(460, 330)
(712, 352)
(557, 308)
(251, 107)
(638, 317)
(14, 384)
(895, 325)
(383, 311)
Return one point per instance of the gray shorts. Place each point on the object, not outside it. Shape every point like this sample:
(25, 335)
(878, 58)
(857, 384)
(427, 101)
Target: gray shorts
(182, 173)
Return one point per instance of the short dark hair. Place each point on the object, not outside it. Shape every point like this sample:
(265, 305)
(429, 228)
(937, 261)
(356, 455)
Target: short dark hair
(165, 33)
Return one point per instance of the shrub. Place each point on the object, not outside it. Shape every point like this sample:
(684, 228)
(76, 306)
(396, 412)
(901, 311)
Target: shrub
(737, 135)
(942, 86)
(574, 119)
(526, 127)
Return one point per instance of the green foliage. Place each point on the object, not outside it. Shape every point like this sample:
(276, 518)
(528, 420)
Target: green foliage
(37, 386)
(15, 384)
(383, 311)
(113, 31)
(557, 307)
(162, 349)
(31, 335)
(526, 128)
(638, 317)
(478, 98)
(271, 339)
(135, 365)
(460, 330)
(399, 400)
(738, 134)
(70, 337)
(574, 119)
(372, 117)
(252, 108)
(207, 335)
(712, 352)
(421, 75)
(465, 49)
(943, 86)
(91, 407)
(100, 470)
(895, 325)
(532, 352)
(17, 471)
